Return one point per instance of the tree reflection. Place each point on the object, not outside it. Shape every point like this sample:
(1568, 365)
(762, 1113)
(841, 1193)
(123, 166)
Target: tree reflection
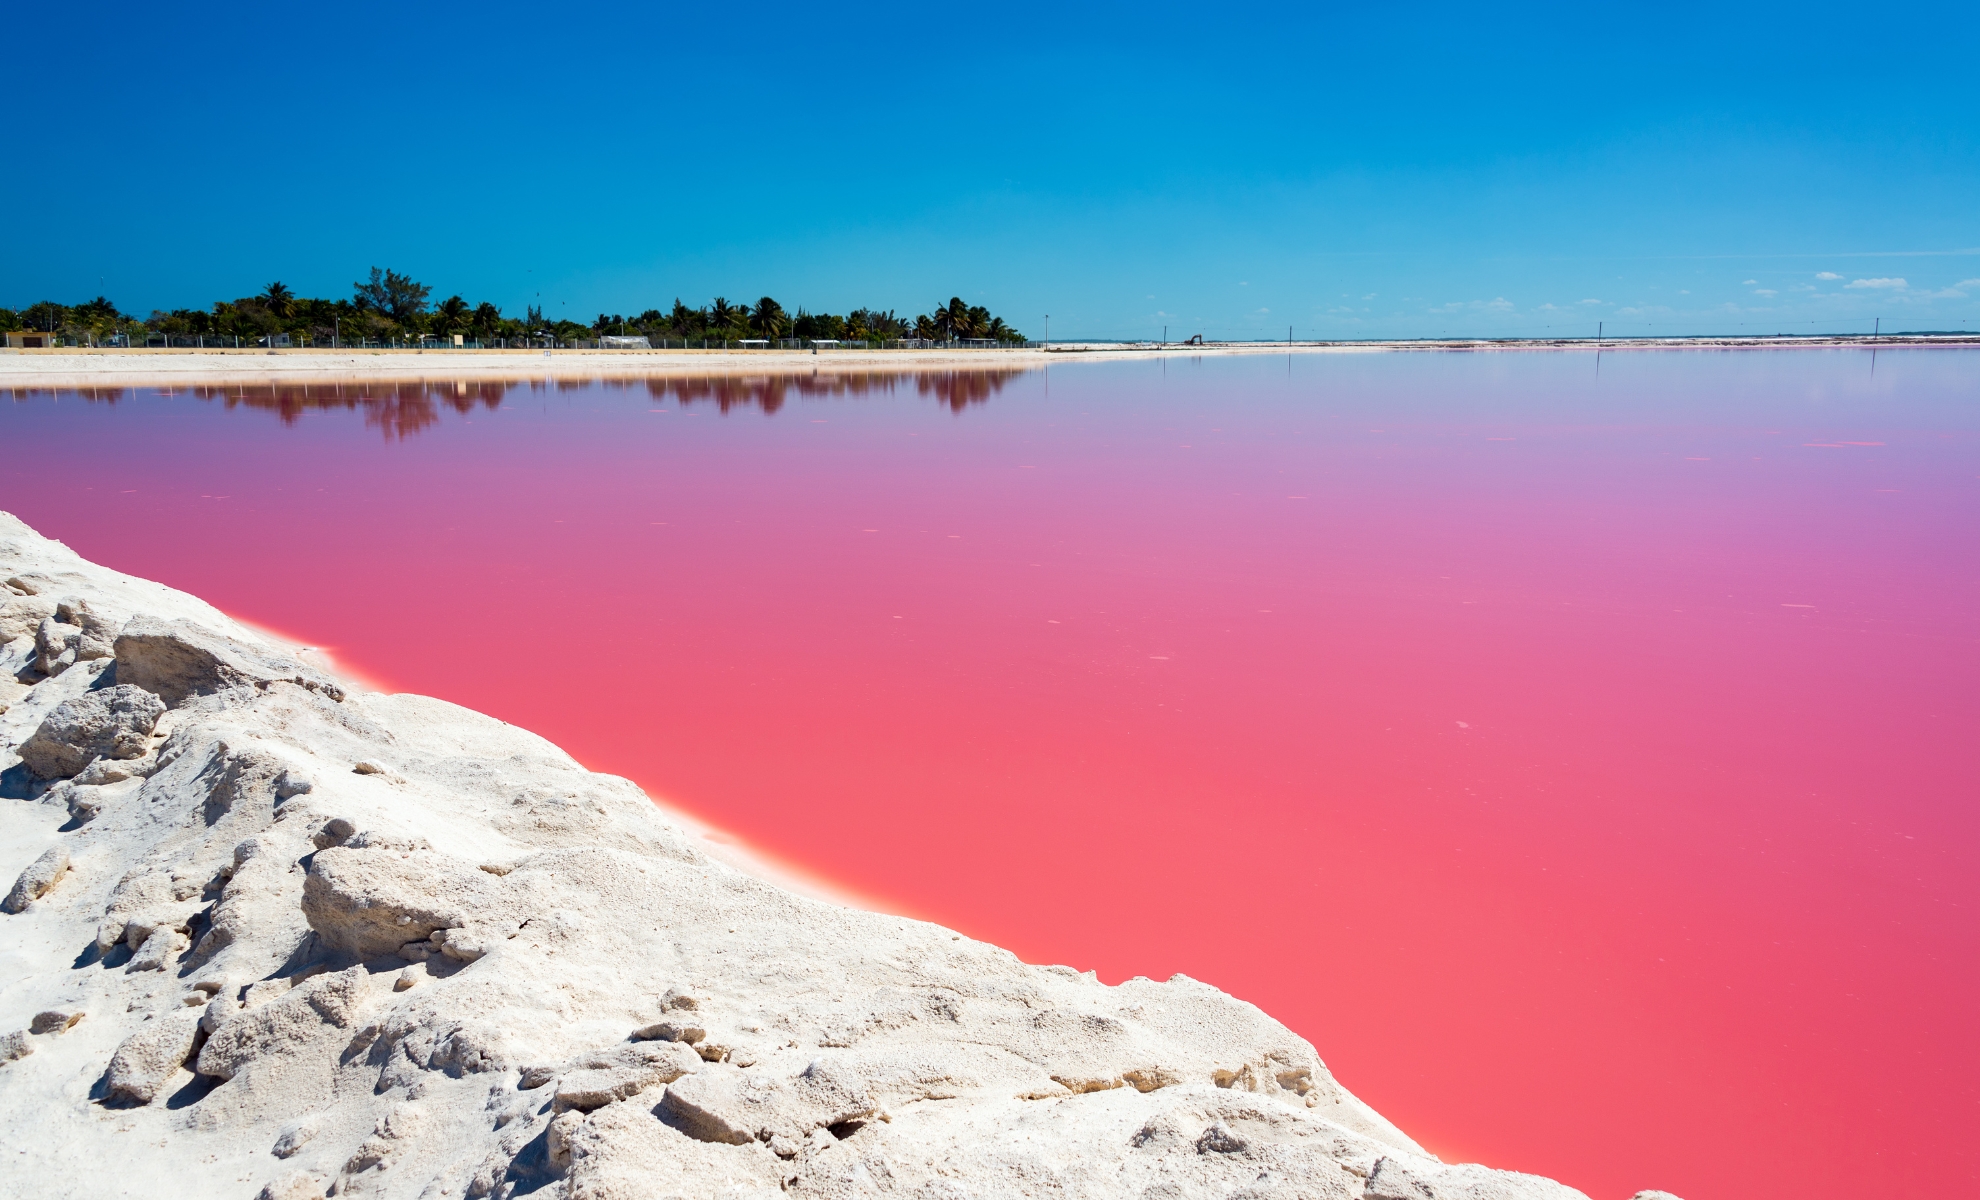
(397, 410)
(955, 389)
(400, 409)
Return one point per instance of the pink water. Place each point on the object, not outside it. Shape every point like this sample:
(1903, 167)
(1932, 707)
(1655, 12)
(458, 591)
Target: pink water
(1586, 763)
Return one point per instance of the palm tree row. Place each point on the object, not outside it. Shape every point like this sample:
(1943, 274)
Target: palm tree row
(389, 306)
(767, 319)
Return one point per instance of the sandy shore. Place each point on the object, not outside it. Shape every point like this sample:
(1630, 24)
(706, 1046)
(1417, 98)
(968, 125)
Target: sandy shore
(144, 367)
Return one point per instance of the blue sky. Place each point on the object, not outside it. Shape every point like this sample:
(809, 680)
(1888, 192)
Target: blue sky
(1233, 170)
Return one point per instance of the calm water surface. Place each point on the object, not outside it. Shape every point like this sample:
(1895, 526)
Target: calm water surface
(1585, 761)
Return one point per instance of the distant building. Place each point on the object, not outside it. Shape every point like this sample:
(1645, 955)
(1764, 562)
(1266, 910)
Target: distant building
(28, 339)
(624, 343)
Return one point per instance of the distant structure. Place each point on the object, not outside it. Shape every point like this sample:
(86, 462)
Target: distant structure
(624, 343)
(27, 339)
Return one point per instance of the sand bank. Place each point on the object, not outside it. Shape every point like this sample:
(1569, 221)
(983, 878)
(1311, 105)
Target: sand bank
(65, 367)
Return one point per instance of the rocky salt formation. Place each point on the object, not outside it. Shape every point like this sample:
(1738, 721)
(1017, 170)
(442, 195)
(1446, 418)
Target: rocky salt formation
(272, 936)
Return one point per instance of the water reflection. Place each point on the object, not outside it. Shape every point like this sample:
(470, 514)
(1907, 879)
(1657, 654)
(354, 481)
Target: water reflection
(955, 389)
(399, 409)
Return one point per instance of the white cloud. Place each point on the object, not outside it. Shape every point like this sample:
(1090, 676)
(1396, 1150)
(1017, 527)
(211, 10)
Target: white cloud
(1881, 284)
(1748, 282)
(1499, 305)
(1264, 310)
(1765, 292)
(1956, 292)
(1591, 301)
(1827, 275)
(1684, 291)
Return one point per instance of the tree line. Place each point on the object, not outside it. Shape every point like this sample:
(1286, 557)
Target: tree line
(391, 307)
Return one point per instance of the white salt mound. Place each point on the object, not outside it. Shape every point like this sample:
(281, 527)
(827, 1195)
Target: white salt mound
(276, 937)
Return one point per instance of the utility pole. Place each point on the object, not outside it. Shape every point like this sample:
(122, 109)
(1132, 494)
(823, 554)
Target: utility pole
(1598, 333)
(1048, 330)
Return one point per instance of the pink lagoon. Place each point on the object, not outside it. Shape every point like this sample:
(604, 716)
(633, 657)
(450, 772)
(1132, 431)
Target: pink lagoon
(1580, 750)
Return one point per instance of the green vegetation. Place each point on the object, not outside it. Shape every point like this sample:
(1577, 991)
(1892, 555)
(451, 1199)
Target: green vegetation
(390, 308)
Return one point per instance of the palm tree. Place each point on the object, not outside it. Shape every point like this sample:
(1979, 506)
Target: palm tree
(683, 320)
(453, 314)
(720, 314)
(958, 317)
(278, 299)
(770, 320)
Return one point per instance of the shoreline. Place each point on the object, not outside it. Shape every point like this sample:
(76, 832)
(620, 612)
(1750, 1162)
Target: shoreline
(718, 842)
(142, 367)
(406, 949)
